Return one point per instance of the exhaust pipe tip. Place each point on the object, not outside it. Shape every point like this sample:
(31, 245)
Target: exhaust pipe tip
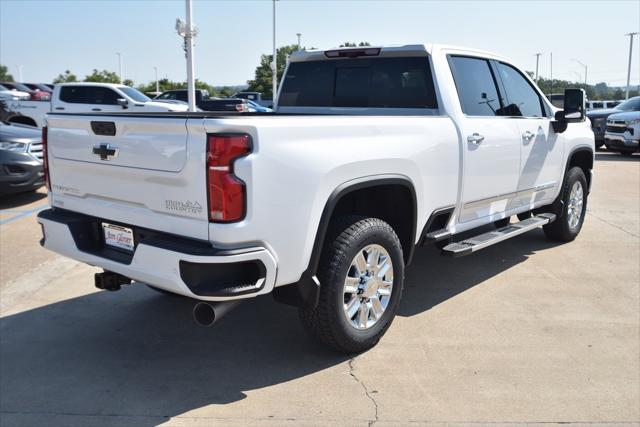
(204, 314)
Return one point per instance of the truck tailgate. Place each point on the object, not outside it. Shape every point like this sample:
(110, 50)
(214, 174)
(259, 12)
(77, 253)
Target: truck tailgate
(142, 171)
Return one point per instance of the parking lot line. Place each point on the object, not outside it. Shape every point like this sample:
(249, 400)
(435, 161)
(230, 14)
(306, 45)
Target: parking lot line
(22, 214)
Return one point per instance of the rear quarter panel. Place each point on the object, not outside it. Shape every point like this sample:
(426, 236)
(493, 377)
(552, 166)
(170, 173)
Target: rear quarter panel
(297, 162)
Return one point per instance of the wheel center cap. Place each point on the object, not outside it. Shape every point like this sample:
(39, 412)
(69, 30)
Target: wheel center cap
(370, 287)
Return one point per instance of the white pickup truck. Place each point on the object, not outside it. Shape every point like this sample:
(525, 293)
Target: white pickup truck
(371, 152)
(82, 98)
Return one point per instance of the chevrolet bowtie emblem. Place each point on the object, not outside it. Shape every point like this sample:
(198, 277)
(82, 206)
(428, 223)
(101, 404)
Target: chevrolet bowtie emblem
(105, 151)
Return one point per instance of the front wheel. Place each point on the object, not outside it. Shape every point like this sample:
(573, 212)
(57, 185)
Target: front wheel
(570, 208)
(361, 278)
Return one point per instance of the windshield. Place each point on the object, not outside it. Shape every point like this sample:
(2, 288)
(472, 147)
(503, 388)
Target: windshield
(632, 104)
(134, 94)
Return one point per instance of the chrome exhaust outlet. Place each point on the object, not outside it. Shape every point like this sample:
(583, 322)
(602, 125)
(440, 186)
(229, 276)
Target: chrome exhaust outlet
(207, 313)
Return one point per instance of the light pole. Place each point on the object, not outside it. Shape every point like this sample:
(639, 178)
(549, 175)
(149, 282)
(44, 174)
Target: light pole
(626, 96)
(20, 72)
(188, 31)
(537, 60)
(299, 35)
(120, 65)
(157, 83)
(585, 69)
(274, 65)
(578, 74)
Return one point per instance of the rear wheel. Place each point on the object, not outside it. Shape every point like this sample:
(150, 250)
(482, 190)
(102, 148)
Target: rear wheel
(570, 208)
(361, 279)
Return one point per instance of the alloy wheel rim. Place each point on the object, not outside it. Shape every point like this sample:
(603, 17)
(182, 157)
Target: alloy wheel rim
(368, 287)
(574, 207)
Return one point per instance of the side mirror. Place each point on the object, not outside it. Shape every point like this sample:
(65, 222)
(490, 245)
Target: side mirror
(574, 105)
(122, 102)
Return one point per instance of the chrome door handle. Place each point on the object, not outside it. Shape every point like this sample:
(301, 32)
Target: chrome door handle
(528, 135)
(96, 109)
(476, 138)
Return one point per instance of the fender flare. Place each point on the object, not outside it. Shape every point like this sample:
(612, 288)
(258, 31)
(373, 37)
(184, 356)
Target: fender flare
(572, 153)
(306, 291)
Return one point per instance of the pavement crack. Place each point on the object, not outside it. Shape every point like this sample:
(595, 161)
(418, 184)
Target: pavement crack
(366, 391)
(611, 224)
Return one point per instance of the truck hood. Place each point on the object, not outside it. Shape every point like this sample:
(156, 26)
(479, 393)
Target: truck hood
(164, 106)
(19, 133)
(626, 116)
(602, 112)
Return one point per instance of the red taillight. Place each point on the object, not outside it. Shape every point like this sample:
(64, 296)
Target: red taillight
(45, 158)
(227, 193)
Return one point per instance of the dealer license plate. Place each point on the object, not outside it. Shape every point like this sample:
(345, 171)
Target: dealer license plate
(118, 237)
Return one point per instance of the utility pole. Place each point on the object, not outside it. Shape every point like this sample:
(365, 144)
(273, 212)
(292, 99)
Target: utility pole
(191, 90)
(188, 32)
(537, 61)
(585, 69)
(299, 35)
(119, 66)
(20, 72)
(626, 96)
(157, 83)
(551, 61)
(274, 78)
(578, 74)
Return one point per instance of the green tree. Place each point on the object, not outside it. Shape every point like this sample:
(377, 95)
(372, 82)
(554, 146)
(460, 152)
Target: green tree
(4, 74)
(351, 44)
(68, 76)
(263, 74)
(166, 84)
(226, 91)
(104, 76)
(128, 82)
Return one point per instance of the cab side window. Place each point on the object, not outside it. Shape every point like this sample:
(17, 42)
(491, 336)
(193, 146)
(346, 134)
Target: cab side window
(476, 86)
(88, 95)
(520, 99)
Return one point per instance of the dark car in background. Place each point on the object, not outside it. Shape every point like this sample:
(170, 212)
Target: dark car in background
(21, 167)
(598, 118)
(207, 103)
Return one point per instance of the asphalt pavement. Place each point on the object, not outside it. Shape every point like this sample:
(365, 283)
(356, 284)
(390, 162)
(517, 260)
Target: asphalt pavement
(527, 331)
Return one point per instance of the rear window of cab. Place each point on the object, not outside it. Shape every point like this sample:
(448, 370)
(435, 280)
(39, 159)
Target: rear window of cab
(360, 83)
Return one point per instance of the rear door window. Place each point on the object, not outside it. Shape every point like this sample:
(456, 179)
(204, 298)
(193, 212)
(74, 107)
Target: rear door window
(88, 95)
(476, 86)
(360, 83)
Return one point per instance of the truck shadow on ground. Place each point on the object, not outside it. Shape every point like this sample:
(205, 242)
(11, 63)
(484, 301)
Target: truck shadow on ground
(16, 200)
(137, 353)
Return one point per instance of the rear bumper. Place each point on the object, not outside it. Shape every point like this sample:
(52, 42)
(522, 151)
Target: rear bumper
(183, 266)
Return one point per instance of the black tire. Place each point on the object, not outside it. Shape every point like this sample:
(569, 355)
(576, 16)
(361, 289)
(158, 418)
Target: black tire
(560, 230)
(502, 222)
(327, 322)
(525, 215)
(599, 145)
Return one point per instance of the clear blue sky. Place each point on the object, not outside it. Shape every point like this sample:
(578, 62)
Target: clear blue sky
(47, 37)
